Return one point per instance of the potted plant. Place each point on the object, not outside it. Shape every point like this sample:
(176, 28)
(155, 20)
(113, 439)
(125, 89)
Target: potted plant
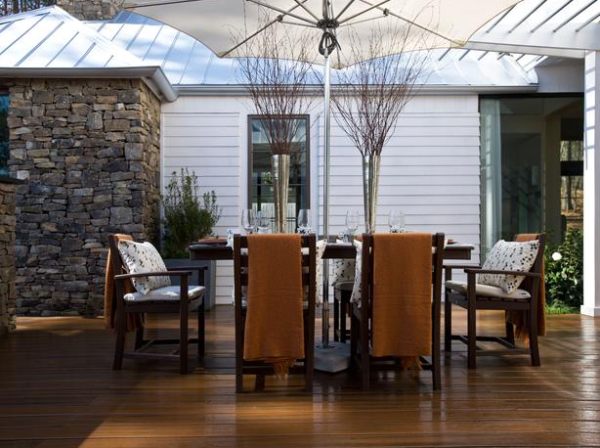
(188, 217)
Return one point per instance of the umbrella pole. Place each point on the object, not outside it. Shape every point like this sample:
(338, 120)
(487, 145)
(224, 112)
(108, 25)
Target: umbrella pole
(327, 147)
(329, 357)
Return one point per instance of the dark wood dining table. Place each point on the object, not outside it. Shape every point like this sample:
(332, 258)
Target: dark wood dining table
(214, 252)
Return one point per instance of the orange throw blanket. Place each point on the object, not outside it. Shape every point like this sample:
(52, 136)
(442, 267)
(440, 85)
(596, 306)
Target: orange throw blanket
(402, 296)
(274, 331)
(519, 318)
(134, 320)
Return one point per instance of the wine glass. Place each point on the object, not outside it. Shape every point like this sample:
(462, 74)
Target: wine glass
(396, 221)
(248, 220)
(304, 221)
(263, 222)
(351, 223)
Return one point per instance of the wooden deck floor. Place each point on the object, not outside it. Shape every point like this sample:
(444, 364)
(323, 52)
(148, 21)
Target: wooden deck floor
(57, 390)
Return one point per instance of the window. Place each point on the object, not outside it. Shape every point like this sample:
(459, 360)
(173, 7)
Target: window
(3, 133)
(260, 195)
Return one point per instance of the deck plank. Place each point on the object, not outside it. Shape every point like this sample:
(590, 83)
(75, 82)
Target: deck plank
(57, 390)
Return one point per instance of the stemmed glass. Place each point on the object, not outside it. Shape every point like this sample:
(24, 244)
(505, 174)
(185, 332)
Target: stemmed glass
(304, 221)
(248, 220)
(351, 224)
(263, 222)
(396, 221)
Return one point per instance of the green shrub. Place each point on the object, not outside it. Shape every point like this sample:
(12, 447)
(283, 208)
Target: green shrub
(185, 218)
(564, 272)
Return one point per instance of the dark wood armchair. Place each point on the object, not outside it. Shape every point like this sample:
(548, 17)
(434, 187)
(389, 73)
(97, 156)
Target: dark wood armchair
(473, 296)
(362, 316)
(303, 366)
(181, 300)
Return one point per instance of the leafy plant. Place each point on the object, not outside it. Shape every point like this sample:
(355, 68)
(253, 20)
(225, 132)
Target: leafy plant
(186, 219)
(564, 273)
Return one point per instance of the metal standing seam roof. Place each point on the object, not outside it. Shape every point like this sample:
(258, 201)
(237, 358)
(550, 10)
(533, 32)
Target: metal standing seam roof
(49, 39)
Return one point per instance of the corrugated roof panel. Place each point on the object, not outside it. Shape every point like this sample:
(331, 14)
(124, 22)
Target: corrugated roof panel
(18, 28)
(30, 40)
(160, 47)
(48, 48)
(179, 57)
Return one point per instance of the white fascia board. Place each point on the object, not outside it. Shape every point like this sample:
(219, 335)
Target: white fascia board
(154, 77)
(234, 90)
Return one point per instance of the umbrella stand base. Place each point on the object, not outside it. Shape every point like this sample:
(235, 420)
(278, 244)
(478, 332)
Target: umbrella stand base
(333, 359)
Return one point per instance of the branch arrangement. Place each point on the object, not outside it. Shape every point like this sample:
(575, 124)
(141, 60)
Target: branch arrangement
(276, 77)
(373, 93)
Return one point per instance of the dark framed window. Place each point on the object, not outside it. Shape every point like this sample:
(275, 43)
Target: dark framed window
(4, 154)
(260, 186)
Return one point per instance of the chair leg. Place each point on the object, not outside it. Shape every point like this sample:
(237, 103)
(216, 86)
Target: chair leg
(510, 333)
(336, 315)
(201, 332)
(447, 323)
(365, 360)
(353, 336)
(533, 339)
(472, 337)
(239, 355)
(435, 352)
(344, 305)
(139, 337)
(121, 324)
(183, 337)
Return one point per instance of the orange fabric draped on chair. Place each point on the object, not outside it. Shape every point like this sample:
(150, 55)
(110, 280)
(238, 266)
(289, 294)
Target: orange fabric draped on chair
(402, 296)
(274, 330)
(134, 321)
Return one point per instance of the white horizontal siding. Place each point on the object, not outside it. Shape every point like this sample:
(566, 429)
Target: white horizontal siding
(430, 167)
(210, 145)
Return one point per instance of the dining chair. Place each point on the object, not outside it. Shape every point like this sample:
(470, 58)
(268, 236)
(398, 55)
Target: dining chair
(401, 279)
(274, 291)
(134, 300)
(519, 267)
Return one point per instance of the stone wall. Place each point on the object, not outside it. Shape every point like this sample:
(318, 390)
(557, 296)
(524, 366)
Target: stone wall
(91, 9)
(89, 151)
(7, 255)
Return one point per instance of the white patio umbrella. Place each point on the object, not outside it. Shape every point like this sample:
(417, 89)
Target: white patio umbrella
(225, 26)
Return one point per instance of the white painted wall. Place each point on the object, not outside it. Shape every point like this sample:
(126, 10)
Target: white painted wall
(591, 186)
(430, 168)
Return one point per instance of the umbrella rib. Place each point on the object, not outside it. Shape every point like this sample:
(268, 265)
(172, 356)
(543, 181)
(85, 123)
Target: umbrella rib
(362, 21)
(424, 28)
(283, 11)
(301, 4)
(372, 6)
(337, 18)
(260, 30)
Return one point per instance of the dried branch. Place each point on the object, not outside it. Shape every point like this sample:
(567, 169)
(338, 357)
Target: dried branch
(276, 77)
(374, 92)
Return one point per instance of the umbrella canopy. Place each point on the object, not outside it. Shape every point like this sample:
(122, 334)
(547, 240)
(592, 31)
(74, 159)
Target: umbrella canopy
(226, 25)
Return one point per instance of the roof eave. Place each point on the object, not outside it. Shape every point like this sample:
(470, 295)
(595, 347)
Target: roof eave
(154, 77)
(235, 90)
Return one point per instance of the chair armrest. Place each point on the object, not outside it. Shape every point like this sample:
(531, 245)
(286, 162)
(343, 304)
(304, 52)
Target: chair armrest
(501, 272)
(462, 266)
(188, 268)
(154, 274)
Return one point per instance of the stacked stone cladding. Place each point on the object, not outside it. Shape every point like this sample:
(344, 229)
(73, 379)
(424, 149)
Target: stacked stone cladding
(91, 9)
(7, 256)
(89, 151)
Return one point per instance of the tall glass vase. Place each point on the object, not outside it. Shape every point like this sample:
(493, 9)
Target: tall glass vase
(370, 174)
(280, 165)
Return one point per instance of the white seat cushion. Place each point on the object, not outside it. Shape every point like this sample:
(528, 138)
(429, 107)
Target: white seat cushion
(164, 294)
(488, 290)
